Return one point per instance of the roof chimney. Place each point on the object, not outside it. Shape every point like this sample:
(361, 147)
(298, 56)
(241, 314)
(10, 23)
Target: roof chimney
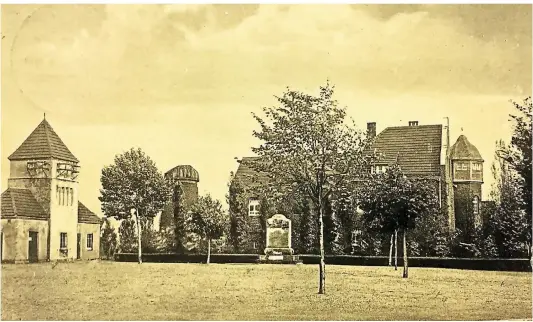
(413, 123)
(371, 130)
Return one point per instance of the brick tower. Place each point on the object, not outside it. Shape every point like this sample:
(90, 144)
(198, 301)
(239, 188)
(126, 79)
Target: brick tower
(187, 178)
(467, 176)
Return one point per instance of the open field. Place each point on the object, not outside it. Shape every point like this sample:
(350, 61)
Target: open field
(128, 291)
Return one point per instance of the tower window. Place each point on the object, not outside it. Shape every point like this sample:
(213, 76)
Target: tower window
(71, 196)
(253, 208)
(475, 203)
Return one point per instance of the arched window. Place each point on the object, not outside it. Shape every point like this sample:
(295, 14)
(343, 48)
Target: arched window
(71, 196)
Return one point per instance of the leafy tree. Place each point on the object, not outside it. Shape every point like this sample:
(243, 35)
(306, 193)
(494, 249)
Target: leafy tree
(207, 219)
(128, 235)
(518, 157)
(432, 233)
(133, 187)
(308, 147)
(109, 239)
(391, 201)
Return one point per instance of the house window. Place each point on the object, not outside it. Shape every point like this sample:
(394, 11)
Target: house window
(57, 195)
(476, 166)
(71, 196)
(89, 241)
(63, 241)
(379, 169)
(63, 196)
(253, 208)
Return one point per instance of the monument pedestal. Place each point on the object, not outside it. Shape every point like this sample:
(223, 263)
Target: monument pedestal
(278, 244)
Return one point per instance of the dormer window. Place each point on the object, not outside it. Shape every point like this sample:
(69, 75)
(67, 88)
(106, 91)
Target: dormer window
(253, 208)
(377, 169)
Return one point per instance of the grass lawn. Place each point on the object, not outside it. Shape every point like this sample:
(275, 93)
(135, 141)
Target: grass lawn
(151, 291)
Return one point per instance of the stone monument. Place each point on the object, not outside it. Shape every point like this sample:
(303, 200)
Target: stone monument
(278, 241)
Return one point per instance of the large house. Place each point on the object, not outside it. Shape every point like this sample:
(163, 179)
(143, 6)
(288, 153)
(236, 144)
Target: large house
(41, 216)
(421, 151)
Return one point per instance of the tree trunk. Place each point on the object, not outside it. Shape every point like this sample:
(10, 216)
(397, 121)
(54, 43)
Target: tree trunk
(139, 234)
(390, 249)
(208, 250)
(396, 249)
(322, 270)
(405, 265)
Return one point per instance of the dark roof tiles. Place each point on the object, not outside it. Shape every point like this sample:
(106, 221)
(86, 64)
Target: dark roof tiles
(85, 216)
(20, 203)
(417, 149)
(43, 143)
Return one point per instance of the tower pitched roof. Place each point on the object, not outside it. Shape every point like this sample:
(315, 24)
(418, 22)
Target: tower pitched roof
(43, 142)
(464, 150)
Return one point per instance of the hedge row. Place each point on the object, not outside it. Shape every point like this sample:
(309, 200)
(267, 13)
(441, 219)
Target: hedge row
(188, 258)
(489, 264)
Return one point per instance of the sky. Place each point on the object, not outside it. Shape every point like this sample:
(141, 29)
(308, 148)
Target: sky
(181, 81)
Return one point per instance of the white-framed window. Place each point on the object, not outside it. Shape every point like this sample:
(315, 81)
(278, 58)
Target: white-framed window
(253, 208)
(476, 166)
(89, 241)
(475, 203)
(63, 240)
(377, 169)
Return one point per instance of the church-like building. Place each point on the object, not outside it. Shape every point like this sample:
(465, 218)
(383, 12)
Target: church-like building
(41, 216)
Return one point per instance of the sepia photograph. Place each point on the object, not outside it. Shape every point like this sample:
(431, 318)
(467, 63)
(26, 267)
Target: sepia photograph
(266, 162)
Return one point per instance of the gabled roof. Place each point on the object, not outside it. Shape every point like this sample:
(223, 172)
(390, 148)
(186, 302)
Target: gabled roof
(464, 150)
(20, 203)
(247, 174)
(43, 143)
(417, 149)
(85, 216)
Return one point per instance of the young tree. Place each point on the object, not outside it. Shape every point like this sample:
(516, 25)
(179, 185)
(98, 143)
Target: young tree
(308, 147)
(391, 202)
(109, 239)
(208, 220)
(133, 187)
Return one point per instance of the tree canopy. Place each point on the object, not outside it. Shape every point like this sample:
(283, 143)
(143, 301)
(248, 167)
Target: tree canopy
(208, 220)
(308, 148)
(133, 185)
